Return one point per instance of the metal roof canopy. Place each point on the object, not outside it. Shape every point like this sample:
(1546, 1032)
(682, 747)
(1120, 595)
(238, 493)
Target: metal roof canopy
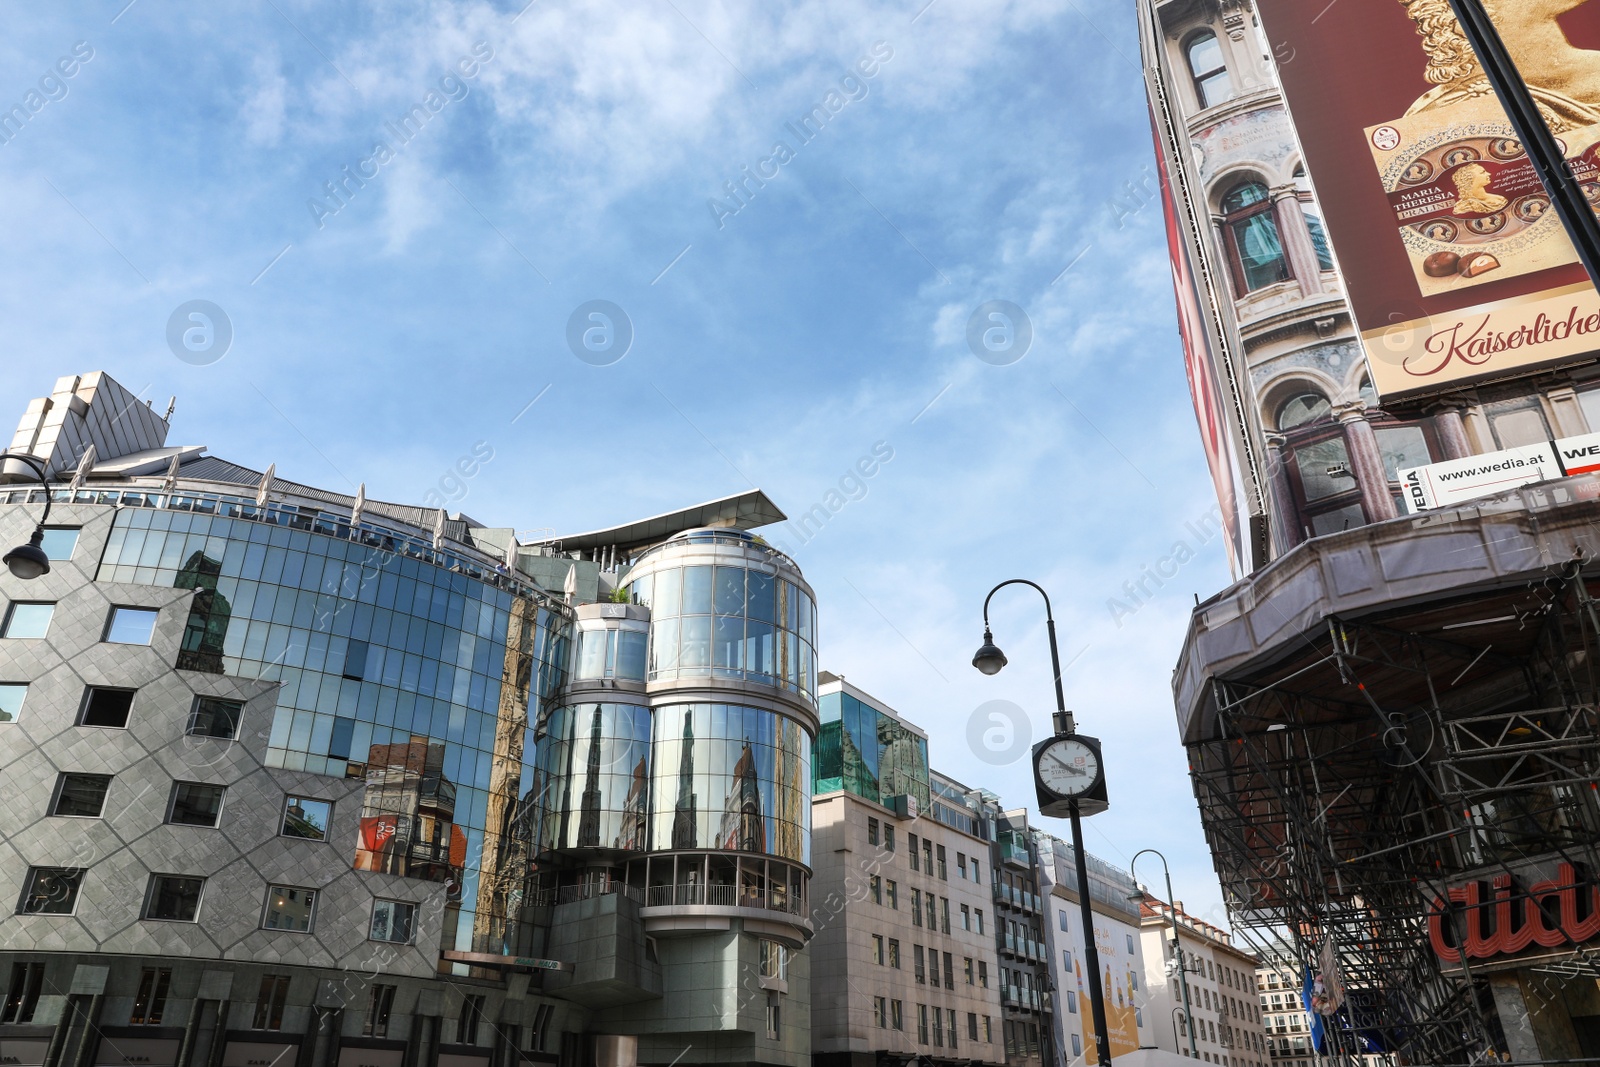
(747, 511)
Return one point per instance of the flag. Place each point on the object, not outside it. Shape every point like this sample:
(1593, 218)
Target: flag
(266, 483)
(1307, 994)
(85, 465)
(358, 507)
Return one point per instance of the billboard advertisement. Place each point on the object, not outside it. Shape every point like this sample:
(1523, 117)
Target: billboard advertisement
(1455, 264)
(1456, 481)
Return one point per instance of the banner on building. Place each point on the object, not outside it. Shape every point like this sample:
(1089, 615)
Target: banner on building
(1455, 264)
(1456, 481)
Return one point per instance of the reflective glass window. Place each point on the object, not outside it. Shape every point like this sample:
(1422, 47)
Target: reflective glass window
(50, 891)
(59, 542)
(81, 795)
(11, 697)
(131, 626)
(27, 619)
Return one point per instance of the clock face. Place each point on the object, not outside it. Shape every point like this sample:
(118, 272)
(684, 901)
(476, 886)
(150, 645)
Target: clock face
(1068, 768)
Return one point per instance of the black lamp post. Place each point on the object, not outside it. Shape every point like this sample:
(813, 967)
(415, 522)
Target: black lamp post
(989, 659)
(29, 561)
(1177, 943)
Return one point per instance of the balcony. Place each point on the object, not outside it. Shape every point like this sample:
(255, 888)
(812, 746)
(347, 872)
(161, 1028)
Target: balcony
(693, 908)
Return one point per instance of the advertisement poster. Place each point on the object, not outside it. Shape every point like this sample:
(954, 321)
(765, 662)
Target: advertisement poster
(1120, 984)
(1455, 264)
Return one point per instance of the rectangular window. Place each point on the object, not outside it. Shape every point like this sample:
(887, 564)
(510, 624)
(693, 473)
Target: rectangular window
(976, 877)
(215, 717)
(59, 542)
(888, 838)
(306, 818)
(289, 908)
(977, 914)
(108, 708)
(894, 953)
(130, 626)
(270, 999)
(922, 1023)
(877, 949)
(894, 896)
(966, 917)
(927, 856)
(988, 1030)
(961, 864)
(81, 796)
(897, 1014)
(355, 660)
(1133, 980)
(196, 804)
(174, 898)
(1062, 917)
(944, 872)
(872, 831)
(774, 960)
(1072, 1002)
(950, 1021)
(50, 891)
(1130, 943)
(773, 1019)
(379, 1004)
(944, 914)
(933, 967)
(28, 618)
(938, 1028)
(972, 1025)
(933, 912)
(916, 905)
(394, 921)
(880, 1012)
(967, 968)
(22, 996)
(911, 841)
(1077, 1045)
(983, 974)
(150, 1004)
(918, 967)
(11, 696)
(1066, 959)
(949, 971)
(471, 1014)
(875, 883)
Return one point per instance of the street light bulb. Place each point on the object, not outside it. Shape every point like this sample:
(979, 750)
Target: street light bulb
(989, 659)
(29, 561)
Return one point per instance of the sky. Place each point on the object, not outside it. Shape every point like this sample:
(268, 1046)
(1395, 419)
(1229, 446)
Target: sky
(830, 236)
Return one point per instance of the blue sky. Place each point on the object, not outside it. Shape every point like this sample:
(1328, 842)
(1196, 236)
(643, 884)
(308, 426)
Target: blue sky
(1001, 151)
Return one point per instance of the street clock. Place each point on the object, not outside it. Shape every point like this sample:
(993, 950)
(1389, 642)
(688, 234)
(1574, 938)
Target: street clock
(1068, 769)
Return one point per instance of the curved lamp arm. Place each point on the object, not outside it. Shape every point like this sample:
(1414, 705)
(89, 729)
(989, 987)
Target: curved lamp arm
(1064, 722)
(39, 469)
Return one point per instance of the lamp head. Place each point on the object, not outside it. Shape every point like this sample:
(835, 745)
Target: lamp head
(989, 659)
(29, 561)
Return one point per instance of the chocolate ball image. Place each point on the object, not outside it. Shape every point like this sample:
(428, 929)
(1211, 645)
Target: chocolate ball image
(1441, 264)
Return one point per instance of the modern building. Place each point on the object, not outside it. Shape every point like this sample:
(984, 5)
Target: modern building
(302, 778)
(1130, 1023)
(1025, 969)
(1227, 1018)
(904, 962)
(1391, 741)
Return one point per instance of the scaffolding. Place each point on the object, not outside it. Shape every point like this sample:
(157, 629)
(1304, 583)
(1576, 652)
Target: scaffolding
(1379, 761)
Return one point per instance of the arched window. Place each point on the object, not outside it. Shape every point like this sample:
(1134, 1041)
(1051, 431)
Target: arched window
(1211, 82)
(1313, 214)
(1302, 410)
(1251, 229)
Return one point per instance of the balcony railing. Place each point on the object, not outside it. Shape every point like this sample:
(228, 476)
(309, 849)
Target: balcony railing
(723, 896)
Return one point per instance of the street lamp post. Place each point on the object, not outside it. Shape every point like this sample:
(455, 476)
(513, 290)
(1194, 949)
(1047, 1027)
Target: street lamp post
(1187, 1026)
(29, 561)
(1177, 945)
(989, 659)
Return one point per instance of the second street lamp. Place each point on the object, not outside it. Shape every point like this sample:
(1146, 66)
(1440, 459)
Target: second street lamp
(1177, 942)
(30, 560)
(1068, 779)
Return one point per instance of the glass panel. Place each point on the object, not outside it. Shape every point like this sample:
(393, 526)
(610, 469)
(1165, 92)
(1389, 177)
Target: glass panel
(630, 654)
(28, 619)
(1402, 447)
(11, 695)
(668, 594)
(762, 599)
(1525, 427)
(289, 908)
(59, 542)
(1260, 254)
(696, 591)
(1319, 241)
(306, 818)
(1346, 518)
(591, 654)
(131, 626)
(730, 591)
(1216, 89)
(82, 795)
(1303, 409)
(695, 645)
(1314, 462)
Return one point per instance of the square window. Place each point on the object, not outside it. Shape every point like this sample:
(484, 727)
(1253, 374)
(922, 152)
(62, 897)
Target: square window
(393, 920)
(59, 542)
(11, 695)
(81, 795)
(174, 898)
(289, 908)
(106, 707)
(28, 618)
(50, 891)
(215, 717)
(131, 626)
(196, 804)
(307, 818)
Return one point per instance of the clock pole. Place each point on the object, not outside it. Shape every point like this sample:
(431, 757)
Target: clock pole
(989, 659)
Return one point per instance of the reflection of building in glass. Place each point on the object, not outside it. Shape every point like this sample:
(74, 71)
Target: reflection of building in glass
(406, 817)
(684, 815)
(207, 628)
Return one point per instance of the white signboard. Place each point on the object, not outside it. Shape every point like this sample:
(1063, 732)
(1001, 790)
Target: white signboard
(1455, 481)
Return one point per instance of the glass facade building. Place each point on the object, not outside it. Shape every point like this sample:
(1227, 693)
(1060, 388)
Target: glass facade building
(869, 753)
(390, 670)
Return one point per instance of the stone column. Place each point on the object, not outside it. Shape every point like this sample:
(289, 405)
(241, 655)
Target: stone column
(1366, 462)
(1286, 525)
(1296, 238)
(1452, 432)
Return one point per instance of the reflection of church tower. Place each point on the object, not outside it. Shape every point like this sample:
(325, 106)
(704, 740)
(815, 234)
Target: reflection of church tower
(633, 810)
(743, 828)
(684, 814)
(209, 615)
(589, 810)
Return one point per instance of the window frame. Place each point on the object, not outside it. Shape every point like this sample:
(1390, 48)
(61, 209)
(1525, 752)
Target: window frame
(1198, 78)
(111, 622)
(411, 938)
(283, 818)
(1230, 237)
(152, 894)
(10, 617)
(172, 804)
(88, 698)
(311, 916)
(74, 875)
(61, 781)
(194, 717)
